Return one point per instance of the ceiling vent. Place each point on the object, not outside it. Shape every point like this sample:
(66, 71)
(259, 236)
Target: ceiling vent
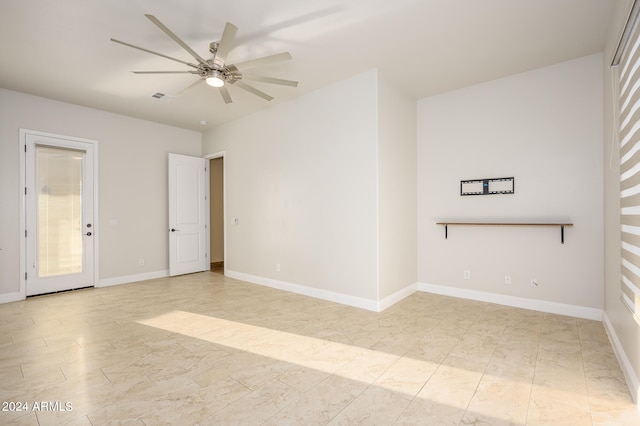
(163, 97)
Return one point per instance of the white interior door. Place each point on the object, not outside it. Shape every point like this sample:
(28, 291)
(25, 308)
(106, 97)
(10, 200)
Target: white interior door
(188, 214)
(60, 227)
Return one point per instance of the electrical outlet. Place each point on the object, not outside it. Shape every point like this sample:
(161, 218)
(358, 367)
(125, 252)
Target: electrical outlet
(140, 262)
(507, 279)
(277, 267)
(534, 282)
(467, 274)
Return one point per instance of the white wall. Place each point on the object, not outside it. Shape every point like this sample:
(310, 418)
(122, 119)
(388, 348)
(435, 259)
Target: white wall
(543, 127)
(397, 189)
(301, 178)
(132, 182)
(623, 330)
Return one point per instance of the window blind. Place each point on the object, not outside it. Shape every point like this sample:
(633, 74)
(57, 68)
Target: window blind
(628, 76)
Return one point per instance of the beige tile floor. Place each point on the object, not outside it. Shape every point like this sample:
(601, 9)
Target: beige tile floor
(209, 350)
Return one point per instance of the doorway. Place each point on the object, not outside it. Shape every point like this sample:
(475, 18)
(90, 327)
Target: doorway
(60, 204)
(216, 188)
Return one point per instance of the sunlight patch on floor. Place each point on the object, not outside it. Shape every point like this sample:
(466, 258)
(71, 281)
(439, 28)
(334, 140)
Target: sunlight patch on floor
(402, 375)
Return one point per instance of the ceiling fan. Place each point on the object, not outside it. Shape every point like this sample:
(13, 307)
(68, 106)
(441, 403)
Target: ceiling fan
(216, 72)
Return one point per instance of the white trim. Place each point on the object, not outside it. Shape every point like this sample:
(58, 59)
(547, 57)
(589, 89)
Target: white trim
(518, 302)
(380, 305)
(23, 214)
(215, 155)
(127, 279)
(11, 297)
(625, 365)
(394, 298)
(107, 282)
(377, 184)
(345, 299)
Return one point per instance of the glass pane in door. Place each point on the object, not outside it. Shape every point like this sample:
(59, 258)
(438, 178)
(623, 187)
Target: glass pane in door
(59, 198)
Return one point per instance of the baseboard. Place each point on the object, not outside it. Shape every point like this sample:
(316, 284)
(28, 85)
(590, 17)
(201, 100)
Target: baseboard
(11, 297)
(344, 299)
(517, 302)
(394, 298)
(107, 282)
(627, 370)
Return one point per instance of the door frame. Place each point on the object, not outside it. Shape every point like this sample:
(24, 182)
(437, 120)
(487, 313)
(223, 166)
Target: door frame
(23, 203)
(209, 157)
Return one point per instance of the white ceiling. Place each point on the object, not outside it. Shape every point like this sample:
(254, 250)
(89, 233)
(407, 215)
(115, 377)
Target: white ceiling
(61, 49)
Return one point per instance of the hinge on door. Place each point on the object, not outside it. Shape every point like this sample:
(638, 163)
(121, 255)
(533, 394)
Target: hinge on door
(25, 147)
(25, 190)
(25, 233)
(25, 276)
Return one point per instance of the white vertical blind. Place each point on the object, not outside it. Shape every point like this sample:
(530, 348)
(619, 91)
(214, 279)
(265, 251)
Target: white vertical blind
(629, 137)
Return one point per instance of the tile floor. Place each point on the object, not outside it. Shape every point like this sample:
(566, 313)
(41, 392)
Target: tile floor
(209, 350)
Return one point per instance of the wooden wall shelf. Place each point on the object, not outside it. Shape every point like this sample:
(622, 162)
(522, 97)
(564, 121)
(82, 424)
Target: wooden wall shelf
(561, 225)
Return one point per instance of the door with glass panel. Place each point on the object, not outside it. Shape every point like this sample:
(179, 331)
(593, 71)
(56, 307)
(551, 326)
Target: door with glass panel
(60, 229)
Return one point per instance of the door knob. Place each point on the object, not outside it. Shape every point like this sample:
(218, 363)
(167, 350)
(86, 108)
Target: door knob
(174, 229)
(88, 234)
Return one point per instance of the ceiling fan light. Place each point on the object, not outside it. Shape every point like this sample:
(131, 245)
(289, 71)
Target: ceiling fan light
(215, 79)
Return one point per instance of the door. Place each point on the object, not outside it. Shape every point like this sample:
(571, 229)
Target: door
(188, 214)
(60, 207)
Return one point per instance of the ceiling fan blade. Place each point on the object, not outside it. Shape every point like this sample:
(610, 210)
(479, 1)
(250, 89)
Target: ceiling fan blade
(165, 72)
(175, 38)
(226, 42)
(198, 81)
(253, 90)
(225, 95)
(284, 56)
(154, 53)
(271, 80)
